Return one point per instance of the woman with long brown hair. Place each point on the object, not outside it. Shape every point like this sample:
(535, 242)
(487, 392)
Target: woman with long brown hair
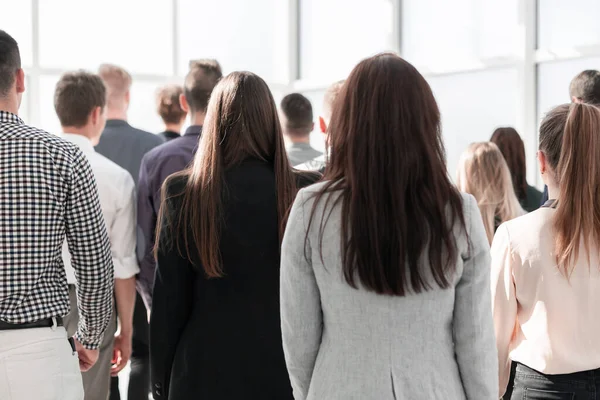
(546, 268)
(483, 173)
(385, 265)
(215, 328)
(512, 148)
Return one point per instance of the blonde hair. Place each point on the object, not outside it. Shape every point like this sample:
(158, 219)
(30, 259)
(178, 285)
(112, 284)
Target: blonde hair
(118, 82)
(329, 98)
(483, 173)
(570, 139)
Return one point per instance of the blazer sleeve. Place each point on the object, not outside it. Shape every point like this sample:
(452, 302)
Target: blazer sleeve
(473, 327)
(172, 303)
(504, 301)
(301, 315)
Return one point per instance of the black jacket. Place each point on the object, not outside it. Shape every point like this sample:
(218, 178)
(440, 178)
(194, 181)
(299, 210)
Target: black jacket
(221, 338)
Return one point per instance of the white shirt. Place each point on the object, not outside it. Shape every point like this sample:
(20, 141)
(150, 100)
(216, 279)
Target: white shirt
(117, 200)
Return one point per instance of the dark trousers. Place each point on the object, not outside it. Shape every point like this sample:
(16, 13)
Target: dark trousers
(139, 378)
(533, 385)
(114, 388)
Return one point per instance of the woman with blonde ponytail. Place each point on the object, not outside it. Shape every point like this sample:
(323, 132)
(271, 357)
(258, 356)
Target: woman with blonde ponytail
(484, 174)
(546, 268)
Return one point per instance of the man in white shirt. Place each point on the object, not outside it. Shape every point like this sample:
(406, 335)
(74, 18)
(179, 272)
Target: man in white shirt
(79, 101)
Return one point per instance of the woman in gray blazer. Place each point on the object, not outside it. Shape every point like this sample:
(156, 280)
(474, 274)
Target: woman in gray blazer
(385, 270)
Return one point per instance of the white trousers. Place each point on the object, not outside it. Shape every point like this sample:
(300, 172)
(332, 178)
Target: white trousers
(38, 364)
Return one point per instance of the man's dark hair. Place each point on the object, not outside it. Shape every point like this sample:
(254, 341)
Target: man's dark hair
(200, 82)
(10, 62)
(298, 114)
(586, 87)
(76, 96)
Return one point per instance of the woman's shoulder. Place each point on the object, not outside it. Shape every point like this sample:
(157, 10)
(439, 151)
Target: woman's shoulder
(306, 178)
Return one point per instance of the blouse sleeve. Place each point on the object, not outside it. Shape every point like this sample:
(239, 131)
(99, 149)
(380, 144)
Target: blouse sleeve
(504, 302)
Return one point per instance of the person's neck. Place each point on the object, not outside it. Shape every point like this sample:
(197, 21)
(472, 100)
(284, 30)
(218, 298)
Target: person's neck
(197, 118)
(116, 114)
(173, 127)
(81, 131)
(553, 192)
(298, 139)
(10, 105)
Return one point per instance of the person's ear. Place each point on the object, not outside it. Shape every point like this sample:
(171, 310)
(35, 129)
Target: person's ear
(183, 103)
(575, 100)
(128, 97)
(20, 81)
(95, 115)
(322, 125)
(542, 162)
(312, 127)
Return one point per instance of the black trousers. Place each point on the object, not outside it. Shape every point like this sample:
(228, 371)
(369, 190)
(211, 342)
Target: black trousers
(533, 385)
(139, 378)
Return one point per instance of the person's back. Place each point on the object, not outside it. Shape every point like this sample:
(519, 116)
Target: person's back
(297, 124)
(546, 267)
(48, 194)
(239, 356)
(126, 146)
(169, 158)
(218, 255)
(385, 282)
(120, 142)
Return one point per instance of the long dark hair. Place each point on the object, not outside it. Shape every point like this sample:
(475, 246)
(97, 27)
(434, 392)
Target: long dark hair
(241, 123)
(388, 164)
(570, 140)
(512, 148)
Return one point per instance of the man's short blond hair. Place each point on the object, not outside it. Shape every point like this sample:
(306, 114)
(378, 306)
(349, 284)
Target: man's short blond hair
(118, 83)
(329, 98)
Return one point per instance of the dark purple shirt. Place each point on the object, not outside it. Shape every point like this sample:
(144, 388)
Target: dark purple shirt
(157, 165)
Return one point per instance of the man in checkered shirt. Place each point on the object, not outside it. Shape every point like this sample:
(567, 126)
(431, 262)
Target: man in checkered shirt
(47, 193)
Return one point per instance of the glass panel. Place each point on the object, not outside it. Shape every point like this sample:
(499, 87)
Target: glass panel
(48, 119)
(568, 23)
(16, 20)
(453, 34)
(554, 79)
(142, 110)
(137, 34)
(335, 35)
(466, 118)
(241, 35)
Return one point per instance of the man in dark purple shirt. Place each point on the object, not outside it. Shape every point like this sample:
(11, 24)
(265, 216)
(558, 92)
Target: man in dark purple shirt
(167, 159)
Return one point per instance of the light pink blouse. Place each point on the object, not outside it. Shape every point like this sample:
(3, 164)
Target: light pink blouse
(543, 320)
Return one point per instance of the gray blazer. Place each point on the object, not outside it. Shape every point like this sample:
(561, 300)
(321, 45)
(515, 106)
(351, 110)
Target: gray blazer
(342, 343)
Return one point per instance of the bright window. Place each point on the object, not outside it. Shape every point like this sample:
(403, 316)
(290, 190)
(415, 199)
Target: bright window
(136, 34)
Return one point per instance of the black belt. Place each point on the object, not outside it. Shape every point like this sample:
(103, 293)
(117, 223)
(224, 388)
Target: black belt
(43, 323)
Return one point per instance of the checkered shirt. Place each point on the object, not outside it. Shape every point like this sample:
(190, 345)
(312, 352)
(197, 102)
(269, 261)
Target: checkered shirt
(47, 193)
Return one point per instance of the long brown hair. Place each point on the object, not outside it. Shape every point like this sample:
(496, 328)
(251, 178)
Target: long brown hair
(512, 148)
(570, 140)
(388, 165)
(241, 123)
(483, 173)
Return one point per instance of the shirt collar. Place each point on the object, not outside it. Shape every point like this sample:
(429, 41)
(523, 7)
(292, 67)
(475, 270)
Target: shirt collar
(302, 146)
(194, 130)
(116, 122)
(81, 141)
(10, 118)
